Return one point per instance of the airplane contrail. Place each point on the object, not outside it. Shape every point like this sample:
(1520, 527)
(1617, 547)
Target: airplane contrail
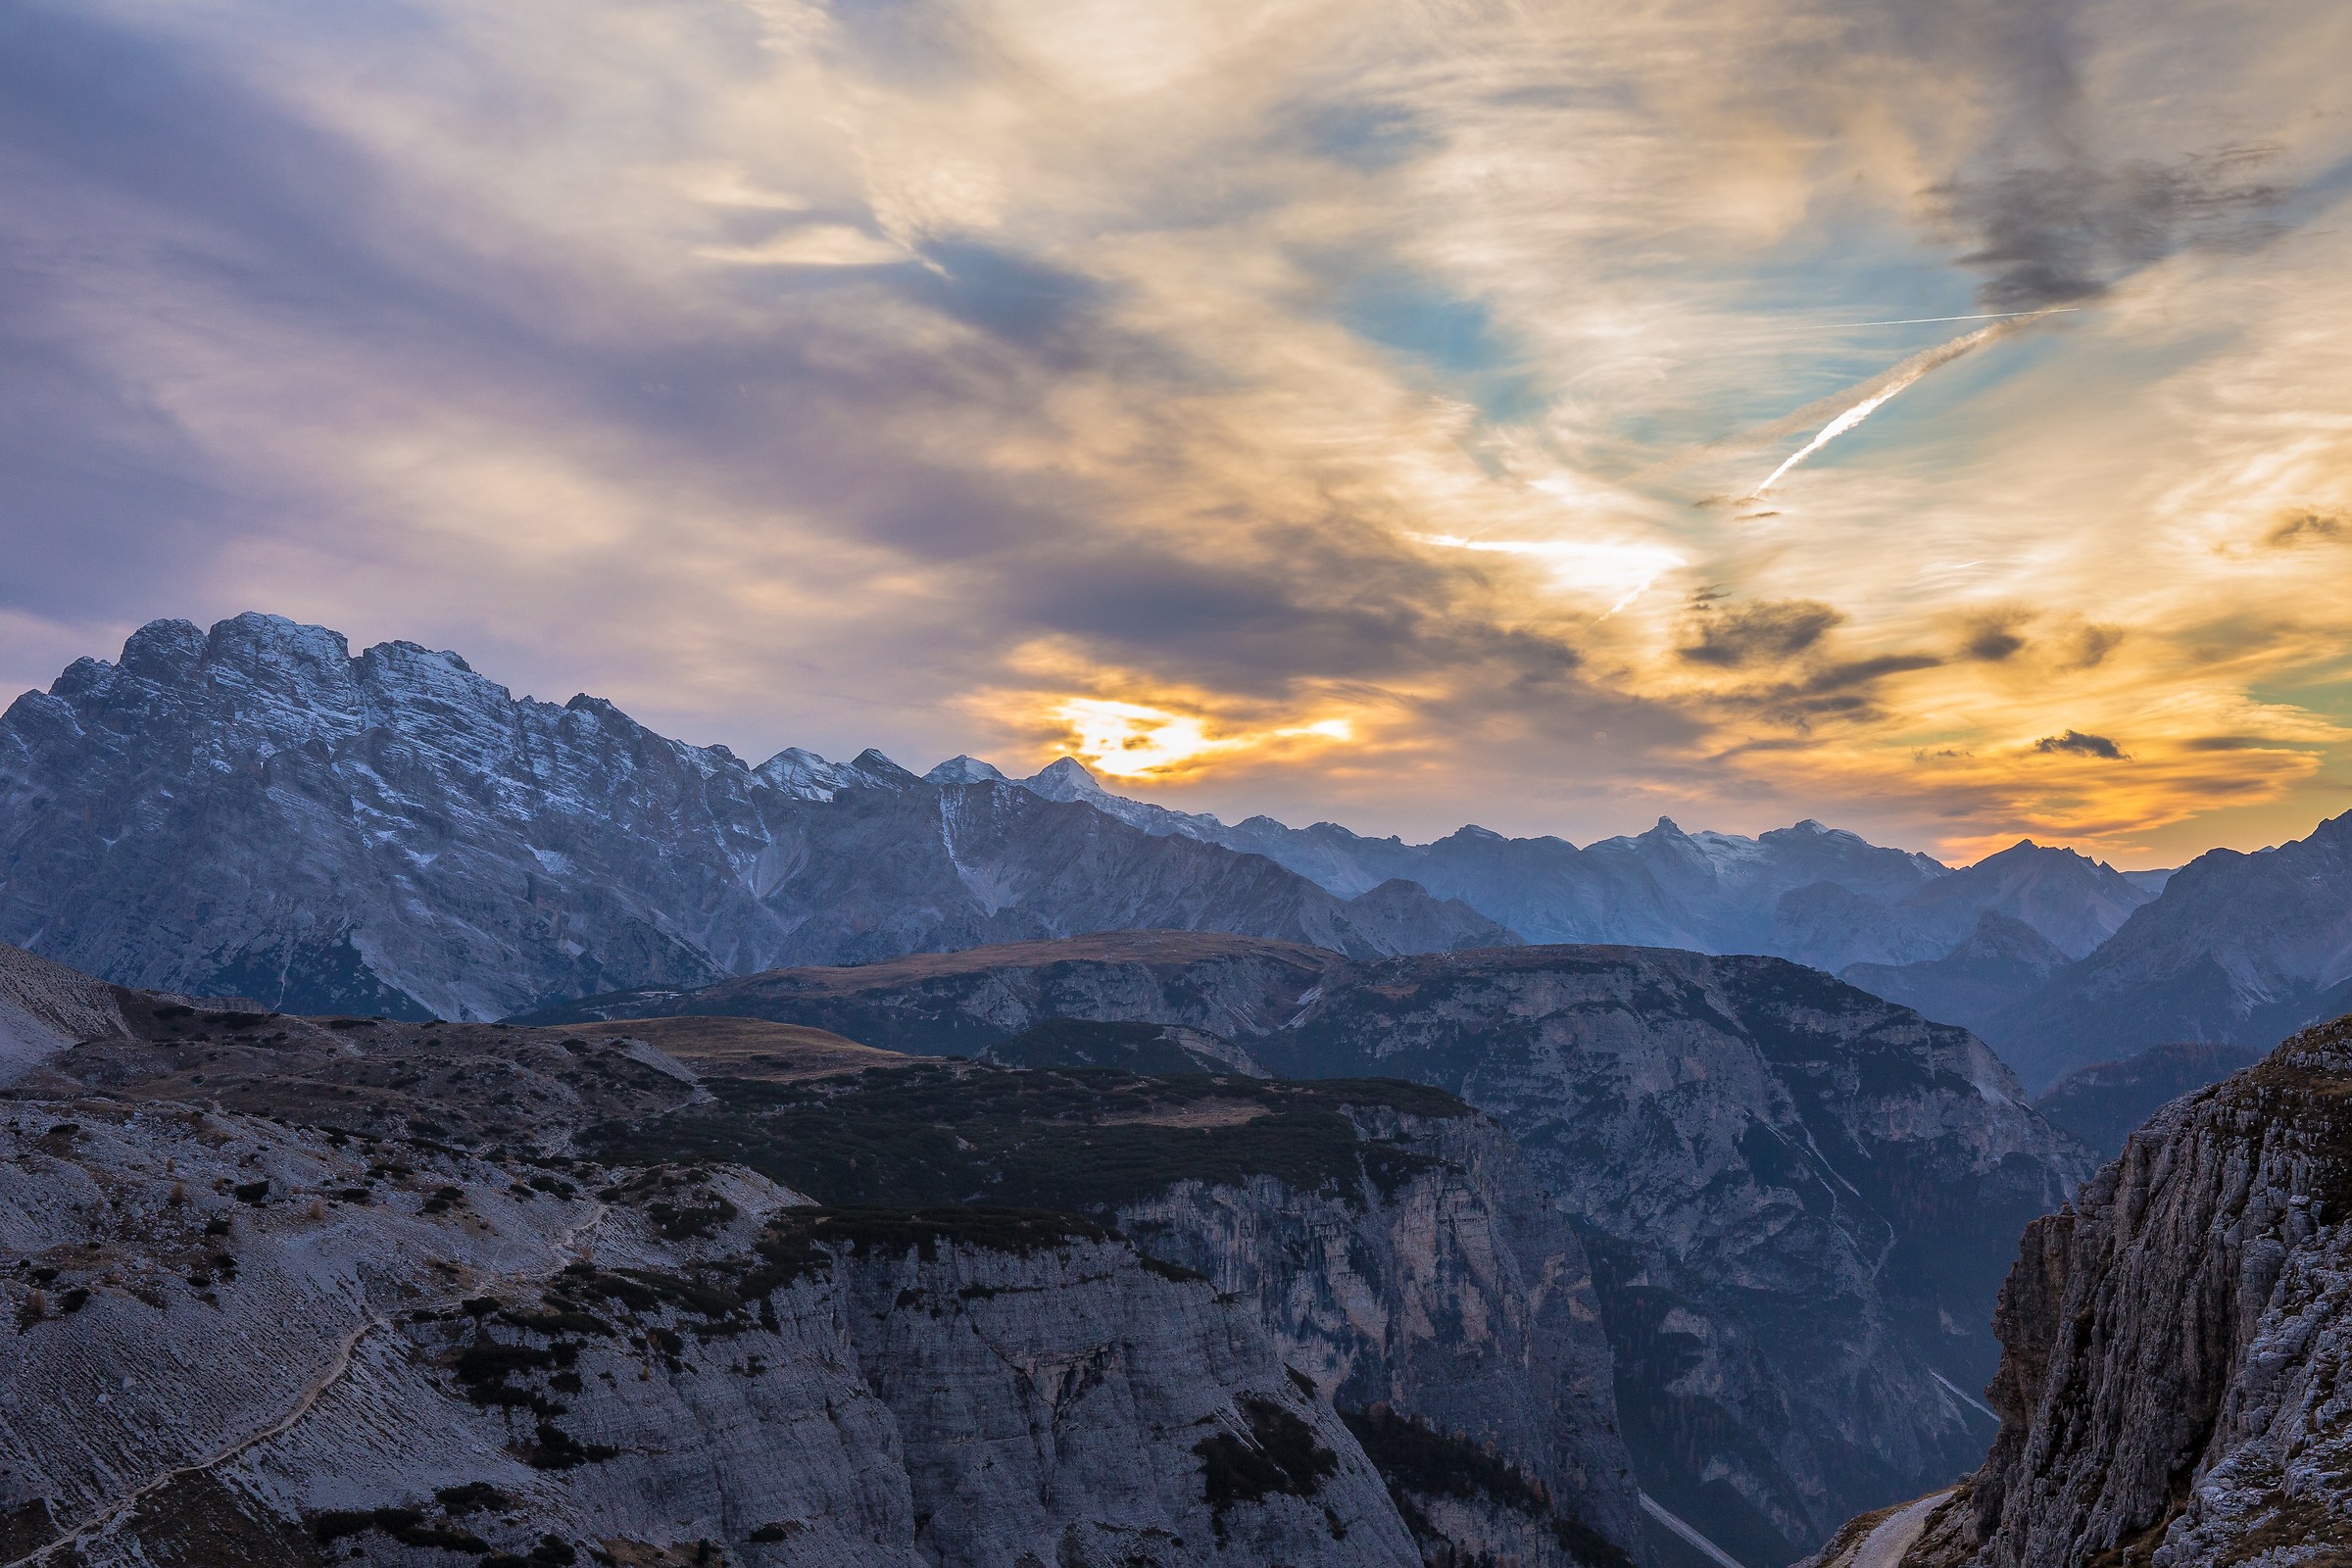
(1889, 382)
(1981, 316)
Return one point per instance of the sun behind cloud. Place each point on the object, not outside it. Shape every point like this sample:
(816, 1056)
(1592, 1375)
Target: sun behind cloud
(1135, 741)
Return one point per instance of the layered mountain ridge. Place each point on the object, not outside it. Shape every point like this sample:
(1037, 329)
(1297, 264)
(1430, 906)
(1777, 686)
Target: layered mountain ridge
(254, 810)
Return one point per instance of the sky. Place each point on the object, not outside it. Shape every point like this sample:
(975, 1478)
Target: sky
(1930, 418)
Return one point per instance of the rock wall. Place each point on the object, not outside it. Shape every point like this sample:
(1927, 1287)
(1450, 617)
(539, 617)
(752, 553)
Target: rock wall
(1458, 1297)
(2174, 1387)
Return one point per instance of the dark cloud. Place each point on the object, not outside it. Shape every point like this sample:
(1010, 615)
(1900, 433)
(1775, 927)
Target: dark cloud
(1992, 640)
(2077, 744)
(1758, 633)
(2069, 231)
(2089, 646)
(2309, 529)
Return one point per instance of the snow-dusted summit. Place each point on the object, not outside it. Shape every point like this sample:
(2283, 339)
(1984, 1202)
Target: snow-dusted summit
(254, 811)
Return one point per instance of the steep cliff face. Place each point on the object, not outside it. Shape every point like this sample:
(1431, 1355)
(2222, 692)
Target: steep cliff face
(1798, 1199)
(1454, 1294)
(1387, 1237)
(790, 1386)
(2176, 1346)
(253, 811)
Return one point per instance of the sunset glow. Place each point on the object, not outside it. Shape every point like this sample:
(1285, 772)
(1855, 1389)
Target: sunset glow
(1131, 741)
(1526, 376)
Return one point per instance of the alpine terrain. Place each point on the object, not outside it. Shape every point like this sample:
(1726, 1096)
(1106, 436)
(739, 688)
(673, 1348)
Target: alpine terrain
(1799, 1199)
(295, 1290)
(2175, 1345)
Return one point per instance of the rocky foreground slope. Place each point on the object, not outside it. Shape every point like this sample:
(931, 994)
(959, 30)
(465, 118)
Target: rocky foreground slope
(288, 1291)
(2175, 1384)
(1800, 1200)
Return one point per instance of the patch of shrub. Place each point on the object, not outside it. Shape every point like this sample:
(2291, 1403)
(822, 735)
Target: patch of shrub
(558, 1450)
(1413, 1458)
(472, 1497)
(1277, 1456)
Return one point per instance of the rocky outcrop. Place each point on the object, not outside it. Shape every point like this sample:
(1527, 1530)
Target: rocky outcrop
(2173, 1386)
(253, 811)
(1800, 1200)
(447, 1365)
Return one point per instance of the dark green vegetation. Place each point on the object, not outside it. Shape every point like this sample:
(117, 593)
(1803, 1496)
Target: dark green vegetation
(1417, 1461)
(1277, 1456)
(1078, 1139)
(800, 1240)
(1094, 1043)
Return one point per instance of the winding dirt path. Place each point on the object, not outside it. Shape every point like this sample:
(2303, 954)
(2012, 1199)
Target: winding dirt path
(337, 1368)
(313, 1392)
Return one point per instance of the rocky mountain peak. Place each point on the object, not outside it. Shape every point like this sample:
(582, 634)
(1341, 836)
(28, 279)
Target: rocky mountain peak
(1063, 779)
(2002, 938)
(965, 770)
(877, 770)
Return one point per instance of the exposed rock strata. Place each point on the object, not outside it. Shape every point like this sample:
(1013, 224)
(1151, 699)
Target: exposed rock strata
(372, 1299)
(1800, 1200)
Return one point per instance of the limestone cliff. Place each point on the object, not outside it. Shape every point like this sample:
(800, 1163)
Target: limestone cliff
(2173, 1388)
(290, 1291)
(1798, 1199)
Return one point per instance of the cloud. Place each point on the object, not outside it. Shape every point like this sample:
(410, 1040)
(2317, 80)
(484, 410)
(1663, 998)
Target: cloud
(2077, 744)
(1758, 633)
(1993, 639)
(2309, 527)
(833, 375)
(2057, 235)
(811, 245)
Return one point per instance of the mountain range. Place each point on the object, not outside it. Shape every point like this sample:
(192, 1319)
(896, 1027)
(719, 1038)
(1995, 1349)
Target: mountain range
(254, 811)
(962, 1169)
